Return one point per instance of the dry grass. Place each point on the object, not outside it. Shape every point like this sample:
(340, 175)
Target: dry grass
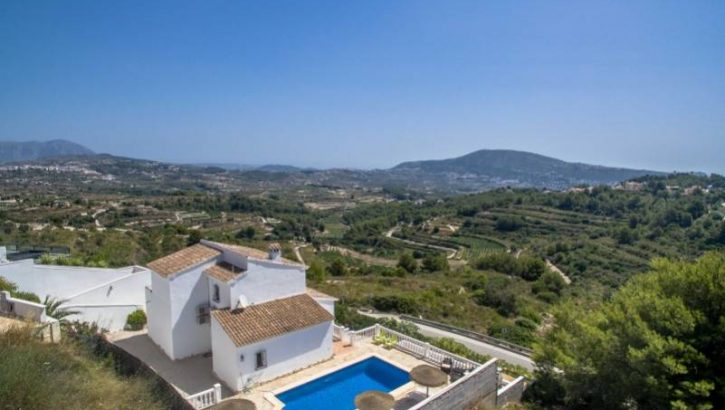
(35, 375)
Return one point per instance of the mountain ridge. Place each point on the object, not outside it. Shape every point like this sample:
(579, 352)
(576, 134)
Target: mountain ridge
(518, 168)
(478, 171)
(19, 151)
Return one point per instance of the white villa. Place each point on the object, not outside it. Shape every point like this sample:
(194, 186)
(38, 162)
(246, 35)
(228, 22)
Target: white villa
(250, 309)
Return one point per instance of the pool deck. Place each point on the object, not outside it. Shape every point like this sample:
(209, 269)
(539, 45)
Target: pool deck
(407, 395)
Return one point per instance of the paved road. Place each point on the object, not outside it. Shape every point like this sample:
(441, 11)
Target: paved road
(479, 347)
(473, 344)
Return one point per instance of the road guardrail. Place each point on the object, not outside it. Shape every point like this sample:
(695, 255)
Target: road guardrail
(512, 347)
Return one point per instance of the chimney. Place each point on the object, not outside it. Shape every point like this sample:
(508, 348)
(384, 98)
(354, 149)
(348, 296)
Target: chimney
(275, 251)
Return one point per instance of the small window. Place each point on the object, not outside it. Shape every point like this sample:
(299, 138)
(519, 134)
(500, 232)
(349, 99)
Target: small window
(216, 293)
(261, 361)
(202, 313)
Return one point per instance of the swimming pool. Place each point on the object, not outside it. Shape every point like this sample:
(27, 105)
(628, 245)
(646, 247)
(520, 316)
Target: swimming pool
(337, 390)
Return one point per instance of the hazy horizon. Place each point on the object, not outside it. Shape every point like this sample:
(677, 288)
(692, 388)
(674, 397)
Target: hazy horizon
(369, 85)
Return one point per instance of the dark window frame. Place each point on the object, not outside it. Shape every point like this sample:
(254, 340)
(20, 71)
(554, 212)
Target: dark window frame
(260, 360)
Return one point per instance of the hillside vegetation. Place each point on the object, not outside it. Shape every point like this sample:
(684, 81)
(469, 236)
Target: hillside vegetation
(656, 344)
(494, 262)
(65, 376)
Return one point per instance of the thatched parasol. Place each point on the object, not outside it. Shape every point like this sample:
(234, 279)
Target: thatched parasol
(374, 400)
(428, 376)
(235, 404)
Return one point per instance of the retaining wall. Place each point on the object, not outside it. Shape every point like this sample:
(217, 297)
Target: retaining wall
(477, 387)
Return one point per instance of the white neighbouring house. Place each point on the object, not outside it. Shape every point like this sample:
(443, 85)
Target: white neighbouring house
(100, 295)
(251, 309)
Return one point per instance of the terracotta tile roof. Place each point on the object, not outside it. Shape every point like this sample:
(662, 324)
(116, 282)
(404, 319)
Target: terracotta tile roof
(183, 259)
(224, 271)
(266, 320)
(317, 294)
(253, 253)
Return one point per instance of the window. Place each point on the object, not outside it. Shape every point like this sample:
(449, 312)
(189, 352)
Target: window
(261, 359)
(216, 293)
(202, 313)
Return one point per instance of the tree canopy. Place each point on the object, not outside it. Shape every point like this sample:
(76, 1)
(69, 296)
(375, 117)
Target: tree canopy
(657, 343)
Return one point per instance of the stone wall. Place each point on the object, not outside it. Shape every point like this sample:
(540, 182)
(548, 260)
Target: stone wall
(478, 387)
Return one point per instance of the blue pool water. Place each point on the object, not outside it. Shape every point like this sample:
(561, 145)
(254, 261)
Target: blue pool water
(337, 390)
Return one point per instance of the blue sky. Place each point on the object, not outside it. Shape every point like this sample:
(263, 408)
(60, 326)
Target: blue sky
(369, 83)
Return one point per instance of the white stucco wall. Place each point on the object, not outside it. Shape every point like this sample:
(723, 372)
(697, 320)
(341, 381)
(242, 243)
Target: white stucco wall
(188, 290)
(59, 281)
(224, 294)
(264, 281)
(108, 305)
(104, 296)
(225, 362)
(328, 304)
(158, 312)
(285, 354)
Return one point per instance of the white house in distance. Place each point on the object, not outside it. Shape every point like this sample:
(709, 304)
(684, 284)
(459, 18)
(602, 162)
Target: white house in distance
(251, 309)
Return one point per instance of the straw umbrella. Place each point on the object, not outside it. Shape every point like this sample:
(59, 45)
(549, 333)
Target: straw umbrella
(374, 400)
(428, 376)
(235, 404)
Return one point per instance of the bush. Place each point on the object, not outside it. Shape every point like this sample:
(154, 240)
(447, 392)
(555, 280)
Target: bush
(29, 296)
(316, 272)
(136, 320)
(401, 304)
(407, 262)
(508, 223)
(349, 317)
(525, 266)
(435, 263)
(6, 285)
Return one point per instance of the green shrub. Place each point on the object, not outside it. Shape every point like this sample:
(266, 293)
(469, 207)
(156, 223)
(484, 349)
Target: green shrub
(29, 296)
(136, 320)
(6, 285)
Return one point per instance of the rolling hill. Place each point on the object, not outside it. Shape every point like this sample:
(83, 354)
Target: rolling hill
(15, 151)
(476, 172)
(513, 168)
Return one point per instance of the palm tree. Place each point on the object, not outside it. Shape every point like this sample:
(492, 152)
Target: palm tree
(55, 309)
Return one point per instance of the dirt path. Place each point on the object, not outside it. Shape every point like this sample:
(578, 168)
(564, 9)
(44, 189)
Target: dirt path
(554, 268)
(298, 254)
(452, 252)
(373, 260)
(95, 217)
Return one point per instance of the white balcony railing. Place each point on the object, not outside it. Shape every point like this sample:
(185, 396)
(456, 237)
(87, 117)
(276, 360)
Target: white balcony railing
(206, 398)
(415, 347)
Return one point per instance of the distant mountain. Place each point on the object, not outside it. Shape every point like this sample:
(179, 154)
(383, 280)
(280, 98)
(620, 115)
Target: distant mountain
(281, 168)
(492, 168)
(11, 151)
(478, 171)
